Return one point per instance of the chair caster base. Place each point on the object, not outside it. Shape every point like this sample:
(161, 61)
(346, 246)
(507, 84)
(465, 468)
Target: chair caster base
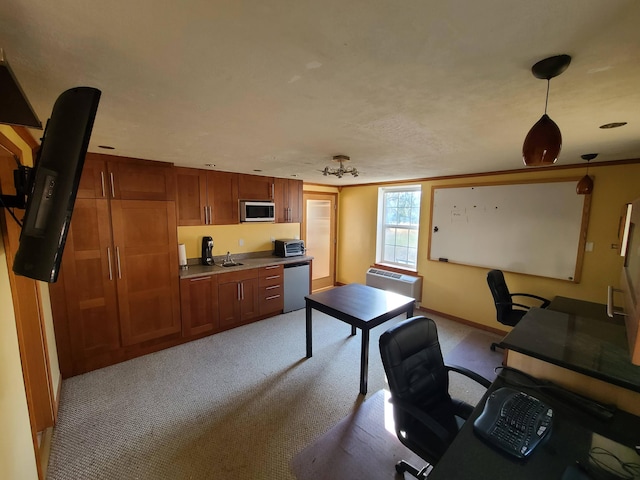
(421, 474)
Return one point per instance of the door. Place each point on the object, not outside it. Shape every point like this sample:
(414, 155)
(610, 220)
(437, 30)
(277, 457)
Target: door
(319, 231)
(25, 294)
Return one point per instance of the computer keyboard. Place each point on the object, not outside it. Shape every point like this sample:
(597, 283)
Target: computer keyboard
(514, 421)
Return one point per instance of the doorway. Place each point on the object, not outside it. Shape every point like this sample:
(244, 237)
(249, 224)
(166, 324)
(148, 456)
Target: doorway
(319, 235)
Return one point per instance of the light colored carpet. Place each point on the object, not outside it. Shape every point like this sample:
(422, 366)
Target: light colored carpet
(239, 404)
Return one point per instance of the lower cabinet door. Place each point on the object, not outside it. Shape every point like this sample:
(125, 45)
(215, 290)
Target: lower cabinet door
(199, 305)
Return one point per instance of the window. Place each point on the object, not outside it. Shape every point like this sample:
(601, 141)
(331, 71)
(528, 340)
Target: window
(398, 225)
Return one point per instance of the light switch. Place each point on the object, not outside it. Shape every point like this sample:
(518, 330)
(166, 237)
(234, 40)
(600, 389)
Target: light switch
(241, 242)
(588, 247)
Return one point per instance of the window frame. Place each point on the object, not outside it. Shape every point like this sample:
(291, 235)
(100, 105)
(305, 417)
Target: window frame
(381, 226)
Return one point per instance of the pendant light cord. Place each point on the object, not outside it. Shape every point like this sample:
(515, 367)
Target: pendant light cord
(547, 99)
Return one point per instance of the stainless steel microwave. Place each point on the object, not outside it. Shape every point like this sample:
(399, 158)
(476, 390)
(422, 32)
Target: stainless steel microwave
(252, 211)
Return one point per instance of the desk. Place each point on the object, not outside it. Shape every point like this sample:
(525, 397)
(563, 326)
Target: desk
(570, 440)
(576, 344)
(361, 307)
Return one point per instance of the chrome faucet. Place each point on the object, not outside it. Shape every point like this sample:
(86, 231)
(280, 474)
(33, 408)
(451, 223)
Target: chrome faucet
(228, 259)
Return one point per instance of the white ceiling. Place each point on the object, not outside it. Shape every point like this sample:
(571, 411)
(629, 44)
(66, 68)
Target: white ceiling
(407, 89)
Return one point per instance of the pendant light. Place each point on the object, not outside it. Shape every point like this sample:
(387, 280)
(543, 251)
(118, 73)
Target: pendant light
(543, 142)
(585, 185)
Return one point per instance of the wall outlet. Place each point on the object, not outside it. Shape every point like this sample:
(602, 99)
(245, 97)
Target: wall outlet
(241, 242)
(273, 239)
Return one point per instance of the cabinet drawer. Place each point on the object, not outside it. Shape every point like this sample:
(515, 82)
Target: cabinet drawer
(267, 291)
(270, 270)
(271, 300)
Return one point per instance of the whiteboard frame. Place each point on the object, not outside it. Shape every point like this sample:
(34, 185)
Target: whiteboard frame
(580, 247)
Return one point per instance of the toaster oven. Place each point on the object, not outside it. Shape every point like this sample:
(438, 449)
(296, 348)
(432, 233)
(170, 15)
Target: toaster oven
(289, 247)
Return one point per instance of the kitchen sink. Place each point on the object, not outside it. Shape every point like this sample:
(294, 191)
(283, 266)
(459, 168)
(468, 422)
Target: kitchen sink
(237, 264)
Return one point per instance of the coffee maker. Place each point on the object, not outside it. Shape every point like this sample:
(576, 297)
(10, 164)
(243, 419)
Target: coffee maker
(207, 251)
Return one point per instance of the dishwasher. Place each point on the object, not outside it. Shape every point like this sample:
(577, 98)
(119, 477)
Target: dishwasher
(296, 285)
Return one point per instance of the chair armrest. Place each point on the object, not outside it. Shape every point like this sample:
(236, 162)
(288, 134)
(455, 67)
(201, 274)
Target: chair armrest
(471, 374)
(424, 418)
(526, 307)
(545, 302)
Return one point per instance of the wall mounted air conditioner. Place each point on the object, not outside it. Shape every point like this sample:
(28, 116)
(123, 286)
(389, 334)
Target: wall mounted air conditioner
(395, 282)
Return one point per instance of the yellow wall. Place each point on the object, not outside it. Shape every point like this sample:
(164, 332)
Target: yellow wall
(255, 237)
(461, 290)
(17, 457)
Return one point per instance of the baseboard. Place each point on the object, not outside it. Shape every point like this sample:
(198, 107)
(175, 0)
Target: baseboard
(479, 326)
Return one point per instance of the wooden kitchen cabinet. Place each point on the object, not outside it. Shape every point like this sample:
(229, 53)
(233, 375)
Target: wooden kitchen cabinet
(222, 191)
(127, 179)
(146, 263)
(238, 298)
(206, 197)
(255, 187)
(192, 206)
(288, 200)
(271, 289)
(118, 283)
(199, 305)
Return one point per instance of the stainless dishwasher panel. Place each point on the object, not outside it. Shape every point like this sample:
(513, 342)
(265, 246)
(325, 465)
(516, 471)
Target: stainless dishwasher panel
(296, 285)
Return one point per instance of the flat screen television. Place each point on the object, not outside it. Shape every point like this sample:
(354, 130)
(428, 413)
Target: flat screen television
(56, 176)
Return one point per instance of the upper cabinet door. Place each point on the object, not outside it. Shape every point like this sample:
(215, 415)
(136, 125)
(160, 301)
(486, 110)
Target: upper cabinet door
(93, 182)
(133, 179)
(255, 187)
(288, 199)
(222, 192)
(191, 199)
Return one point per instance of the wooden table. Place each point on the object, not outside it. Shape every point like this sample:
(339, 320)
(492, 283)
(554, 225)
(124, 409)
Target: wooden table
(361, 307)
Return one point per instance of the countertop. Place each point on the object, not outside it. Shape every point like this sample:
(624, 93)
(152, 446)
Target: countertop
(248, 261)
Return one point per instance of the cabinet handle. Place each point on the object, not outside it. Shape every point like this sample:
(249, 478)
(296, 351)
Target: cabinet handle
(272, 287)
(210, 214)
(272, 277)
(113, 190)
(272, 297)
(242, 290)
(238, 288)
(271, 266)
(206, 215)
(273, 191)
(118, 262)
(109, 260)
(102, 183)
(198, 279)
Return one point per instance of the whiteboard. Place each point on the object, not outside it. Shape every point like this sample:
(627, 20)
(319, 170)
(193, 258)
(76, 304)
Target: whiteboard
(532, 228)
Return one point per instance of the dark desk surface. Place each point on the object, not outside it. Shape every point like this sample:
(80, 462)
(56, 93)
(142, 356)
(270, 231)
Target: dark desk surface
(569, 441)
(579, 336)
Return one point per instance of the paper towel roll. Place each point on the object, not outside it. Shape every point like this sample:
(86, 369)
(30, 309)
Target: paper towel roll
(182, 255)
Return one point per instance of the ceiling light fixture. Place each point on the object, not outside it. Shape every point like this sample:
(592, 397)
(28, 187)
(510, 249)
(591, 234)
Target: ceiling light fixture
(543, 142)
(341, 170)
(608, 126)
(585, 185)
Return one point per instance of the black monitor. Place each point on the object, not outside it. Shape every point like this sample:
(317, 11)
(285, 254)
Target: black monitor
(56, 176)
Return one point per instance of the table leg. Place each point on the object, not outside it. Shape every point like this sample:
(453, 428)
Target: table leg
(410, 310)
(309, 339)
(353, 330)
(364, 361)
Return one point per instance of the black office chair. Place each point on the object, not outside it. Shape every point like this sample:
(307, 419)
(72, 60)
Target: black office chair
(426, 418)
(508, 312)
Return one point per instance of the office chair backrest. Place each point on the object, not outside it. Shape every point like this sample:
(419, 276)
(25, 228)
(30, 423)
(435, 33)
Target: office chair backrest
(413, 362)
(501, 294)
